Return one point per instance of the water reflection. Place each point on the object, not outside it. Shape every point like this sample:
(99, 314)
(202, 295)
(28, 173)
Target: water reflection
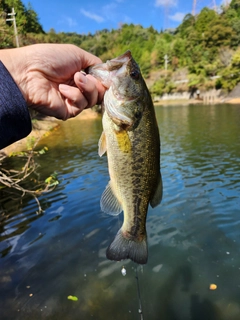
(193, 236)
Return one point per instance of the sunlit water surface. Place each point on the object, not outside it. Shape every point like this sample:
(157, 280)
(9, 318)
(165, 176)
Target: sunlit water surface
(193, 236)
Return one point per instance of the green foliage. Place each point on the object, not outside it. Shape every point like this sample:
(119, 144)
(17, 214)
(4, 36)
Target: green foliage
(26, 20)
(158, 88)
(179, 48)
(161, 48)
(220, 34)
(32, 24)
(205, 44)
(52, 180)
(186, 25)
(6, 35)
(163, 84)
(170, 87)
(236, 59)
(73, 298)
(204, 19)
(230, 76)
(211, 69)
(30, 142)
(145, 63)
(235, 5)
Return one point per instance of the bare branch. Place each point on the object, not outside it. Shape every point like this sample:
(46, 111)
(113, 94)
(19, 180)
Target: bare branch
(15, 179)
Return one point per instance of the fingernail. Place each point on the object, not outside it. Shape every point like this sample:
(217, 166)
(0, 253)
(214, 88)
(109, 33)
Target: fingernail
(63, 87)
(82, 77)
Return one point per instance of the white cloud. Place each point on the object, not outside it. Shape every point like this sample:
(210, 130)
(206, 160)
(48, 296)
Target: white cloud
(92, 16)
(109, 11)
(70, 22)
(126, 19)
(178, 16)
(166, 3)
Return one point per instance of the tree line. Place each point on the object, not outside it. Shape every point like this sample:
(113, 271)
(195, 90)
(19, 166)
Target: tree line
(204, 49)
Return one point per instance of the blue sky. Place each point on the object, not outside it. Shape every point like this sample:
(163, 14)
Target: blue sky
(93, 15)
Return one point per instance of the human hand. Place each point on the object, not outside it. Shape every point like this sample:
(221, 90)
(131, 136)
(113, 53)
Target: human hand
(50, 80)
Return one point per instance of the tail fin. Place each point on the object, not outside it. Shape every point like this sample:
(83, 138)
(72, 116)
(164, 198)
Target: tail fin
(122, 248)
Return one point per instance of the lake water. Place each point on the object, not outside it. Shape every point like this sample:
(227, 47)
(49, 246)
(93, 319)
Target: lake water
(193, 236)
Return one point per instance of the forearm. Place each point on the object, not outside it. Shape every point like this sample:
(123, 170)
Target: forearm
(15, 122)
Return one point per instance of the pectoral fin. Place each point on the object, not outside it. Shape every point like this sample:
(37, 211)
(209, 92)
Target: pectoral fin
(157, 197)
(109, 203)
(102, 146)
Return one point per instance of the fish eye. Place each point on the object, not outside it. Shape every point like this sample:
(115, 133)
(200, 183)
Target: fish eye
(134, 74)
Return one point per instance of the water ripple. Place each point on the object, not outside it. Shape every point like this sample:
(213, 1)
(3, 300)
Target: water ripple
(193, 236)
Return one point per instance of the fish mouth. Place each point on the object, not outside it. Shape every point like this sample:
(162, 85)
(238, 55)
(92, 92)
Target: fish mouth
(117, 63)
(105, 71)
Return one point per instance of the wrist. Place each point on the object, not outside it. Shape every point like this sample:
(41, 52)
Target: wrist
(14, 61)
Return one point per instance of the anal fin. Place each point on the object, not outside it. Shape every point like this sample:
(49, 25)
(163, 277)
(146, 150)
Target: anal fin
(109, 203)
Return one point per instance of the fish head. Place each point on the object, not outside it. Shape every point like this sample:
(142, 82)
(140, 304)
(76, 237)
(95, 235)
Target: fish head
(123, 99)
(125, 77)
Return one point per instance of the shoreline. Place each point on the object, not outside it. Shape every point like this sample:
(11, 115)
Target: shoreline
(184, 102)
(42, 128)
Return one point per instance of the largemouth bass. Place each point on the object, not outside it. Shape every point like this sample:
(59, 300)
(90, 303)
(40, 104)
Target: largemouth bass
(131, 138)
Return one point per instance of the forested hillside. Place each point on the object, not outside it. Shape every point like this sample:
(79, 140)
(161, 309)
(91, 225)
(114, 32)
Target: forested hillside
(204, 49)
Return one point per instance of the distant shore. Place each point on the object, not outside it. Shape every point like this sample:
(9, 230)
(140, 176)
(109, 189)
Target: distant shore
(194, 101)
(44, 127)
(233, 101)
(176, 102)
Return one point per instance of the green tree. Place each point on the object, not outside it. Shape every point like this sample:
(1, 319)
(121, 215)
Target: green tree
(6, 34)
(160, 49)
(235, 4)
(231, 75)
(179, 51)
(32, 21)
(205, 17)
(26, 18)
(145, 63)
(220, 34)
(186, 25)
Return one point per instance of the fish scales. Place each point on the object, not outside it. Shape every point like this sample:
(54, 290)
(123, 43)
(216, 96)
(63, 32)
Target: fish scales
(131, 139)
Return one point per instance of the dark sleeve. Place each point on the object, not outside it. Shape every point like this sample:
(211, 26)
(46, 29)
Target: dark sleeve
(15, 122)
